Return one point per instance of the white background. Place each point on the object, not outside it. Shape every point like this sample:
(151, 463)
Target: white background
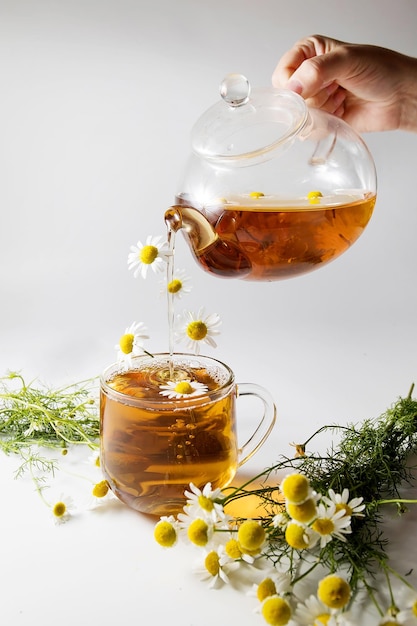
(97, 99)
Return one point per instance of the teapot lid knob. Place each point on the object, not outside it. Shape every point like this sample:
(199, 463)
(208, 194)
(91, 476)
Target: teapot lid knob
(235, 89)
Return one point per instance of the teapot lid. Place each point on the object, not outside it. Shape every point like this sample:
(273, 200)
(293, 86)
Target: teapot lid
(247, 122)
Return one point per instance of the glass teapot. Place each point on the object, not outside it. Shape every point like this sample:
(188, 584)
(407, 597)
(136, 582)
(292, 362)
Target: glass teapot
(273, 189)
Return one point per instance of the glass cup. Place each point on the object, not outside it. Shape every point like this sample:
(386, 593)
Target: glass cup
(170, 420)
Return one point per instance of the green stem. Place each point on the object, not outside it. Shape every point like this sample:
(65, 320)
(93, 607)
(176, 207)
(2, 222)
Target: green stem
(397, 501)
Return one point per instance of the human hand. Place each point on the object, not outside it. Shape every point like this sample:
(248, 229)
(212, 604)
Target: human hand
(370, 87)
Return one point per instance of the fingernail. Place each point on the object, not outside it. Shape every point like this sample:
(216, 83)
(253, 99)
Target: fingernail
(295, 85)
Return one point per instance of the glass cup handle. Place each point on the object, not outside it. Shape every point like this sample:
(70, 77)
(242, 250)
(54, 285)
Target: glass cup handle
(266, 423)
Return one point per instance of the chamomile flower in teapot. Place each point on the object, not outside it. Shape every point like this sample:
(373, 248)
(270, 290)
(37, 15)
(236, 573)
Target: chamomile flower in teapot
(272, 189)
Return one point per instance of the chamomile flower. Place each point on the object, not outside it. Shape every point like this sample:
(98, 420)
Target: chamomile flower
(178, 286)
(101, 489)
(166, 531)
(205, 503)
(274, 583)
(251, 536)
(197, 328)
(281, 520)
(331, 523)
(94, 459)
(314, 197)
(183, 389)
(153, 253)
(296, 488)
(352, 507)
(300, 537)
(198, 530)
(236, 553)
(312, 612)
(276, 610)
(131, 342)
(407, 602)
(334, 591)
(304, 512)
(214, 567)
(62, 509)
(389, 620)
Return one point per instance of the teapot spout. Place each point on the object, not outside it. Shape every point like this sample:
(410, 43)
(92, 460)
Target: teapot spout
(215, 255)
(198, 230)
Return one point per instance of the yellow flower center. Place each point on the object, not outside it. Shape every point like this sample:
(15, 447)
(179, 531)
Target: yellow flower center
(165, 534)
(174, 286)
(183, 387)
(304, 512)
(59, 509)
(322, 619)
(333, 591)
(314, 197)
(251, 535)
(197, 330)
(295, 487)
(265, 589)
(212, 564)
(323, 526)
(295, 536)
(414, 608)
(126, 343)
(232, 549)
(101, 489)
(198, 532)
(148, 254)
(256, 194)
(205, 503)
(341, 506)
(276, 611)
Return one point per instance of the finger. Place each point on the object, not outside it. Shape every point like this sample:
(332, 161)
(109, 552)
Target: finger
(292, 59)
(304, 49)
(331, 104)
(321, 99)
(315, 74)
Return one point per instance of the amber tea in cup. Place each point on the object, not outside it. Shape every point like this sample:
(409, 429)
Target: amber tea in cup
(170, 420)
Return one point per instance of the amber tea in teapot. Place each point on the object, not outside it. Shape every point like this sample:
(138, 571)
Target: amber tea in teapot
(259, 237)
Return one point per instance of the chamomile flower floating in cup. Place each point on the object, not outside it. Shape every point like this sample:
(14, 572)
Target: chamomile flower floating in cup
(178, 286)
(197, 328)
(154, 253)
(131, 342)
(183, 389)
